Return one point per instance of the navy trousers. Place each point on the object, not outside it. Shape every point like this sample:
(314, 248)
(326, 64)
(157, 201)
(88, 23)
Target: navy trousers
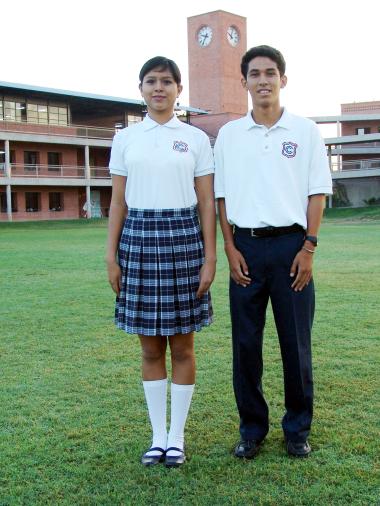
(269, 260)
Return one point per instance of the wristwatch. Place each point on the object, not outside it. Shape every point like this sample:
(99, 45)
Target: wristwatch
(313, 239)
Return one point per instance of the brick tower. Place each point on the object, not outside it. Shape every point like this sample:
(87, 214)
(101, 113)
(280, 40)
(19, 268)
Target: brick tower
(216, 42)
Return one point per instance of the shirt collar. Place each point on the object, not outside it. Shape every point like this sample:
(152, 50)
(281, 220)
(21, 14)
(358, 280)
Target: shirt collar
(149, 123)
(283, 122)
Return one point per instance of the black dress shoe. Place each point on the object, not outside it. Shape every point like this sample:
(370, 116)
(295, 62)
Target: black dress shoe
(152, 460)
(294, 449)
(174, 460)
(247, 448)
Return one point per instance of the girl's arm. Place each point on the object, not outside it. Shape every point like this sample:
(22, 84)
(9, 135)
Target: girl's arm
(204, 188)
(117, 214)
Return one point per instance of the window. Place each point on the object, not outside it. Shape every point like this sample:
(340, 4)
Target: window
(3, 202)
(44, 114)
(132, 119)
(42, 111)
(54, 161)
(119, 125)
(13, 110)
(57, 115)
(32, 202)
(9, 110)
(55, 201)
(37, 113)
(363, 130)
(20, 111)
(30, 160)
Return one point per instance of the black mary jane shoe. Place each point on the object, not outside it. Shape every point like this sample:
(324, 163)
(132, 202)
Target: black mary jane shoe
(294, 449)
(152, 460)
(247, 449)
(174, 460)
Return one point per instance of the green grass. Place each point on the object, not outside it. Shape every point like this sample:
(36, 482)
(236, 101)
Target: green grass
(354, 214)
(73, 421)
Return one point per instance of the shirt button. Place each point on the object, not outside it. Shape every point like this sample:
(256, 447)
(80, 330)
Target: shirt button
(266, 147)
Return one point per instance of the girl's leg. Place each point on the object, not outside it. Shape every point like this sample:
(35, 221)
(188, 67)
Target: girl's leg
(183, 374)
(155, 387)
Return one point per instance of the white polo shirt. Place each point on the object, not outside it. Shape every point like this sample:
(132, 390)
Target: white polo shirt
(161, 162)
(266, 174)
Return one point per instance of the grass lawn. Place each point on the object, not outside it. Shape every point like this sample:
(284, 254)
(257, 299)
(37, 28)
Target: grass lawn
(73, 420)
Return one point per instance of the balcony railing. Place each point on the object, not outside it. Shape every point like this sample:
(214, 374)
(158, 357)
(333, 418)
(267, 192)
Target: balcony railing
(58, 171)
(355, 165)
(100, 173)
(83, 131)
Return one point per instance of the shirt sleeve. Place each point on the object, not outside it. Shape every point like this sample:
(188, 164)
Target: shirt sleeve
(117, 164)
(319, 171)
(219, 167)
(205, 162)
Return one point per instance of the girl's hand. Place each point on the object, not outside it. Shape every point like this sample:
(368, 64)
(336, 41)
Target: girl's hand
(114, 276)
(206, 277)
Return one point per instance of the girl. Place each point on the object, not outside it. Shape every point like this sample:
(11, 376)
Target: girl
(158, 265)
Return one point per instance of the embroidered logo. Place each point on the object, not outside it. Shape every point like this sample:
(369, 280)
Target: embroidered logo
(180, 146)
(289, 149)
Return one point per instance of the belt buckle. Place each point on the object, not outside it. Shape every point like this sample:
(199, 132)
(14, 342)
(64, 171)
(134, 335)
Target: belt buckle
(253, 233)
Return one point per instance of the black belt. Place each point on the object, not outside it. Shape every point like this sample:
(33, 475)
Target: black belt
(268, 231)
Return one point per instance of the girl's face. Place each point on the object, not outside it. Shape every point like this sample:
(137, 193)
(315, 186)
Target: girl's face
(160, 91)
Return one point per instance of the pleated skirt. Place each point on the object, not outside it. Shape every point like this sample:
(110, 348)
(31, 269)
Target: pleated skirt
(160, 255)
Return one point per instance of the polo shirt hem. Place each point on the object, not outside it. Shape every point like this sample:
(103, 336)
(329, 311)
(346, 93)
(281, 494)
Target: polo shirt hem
(205, 172)
(321, 189)
(118, 172)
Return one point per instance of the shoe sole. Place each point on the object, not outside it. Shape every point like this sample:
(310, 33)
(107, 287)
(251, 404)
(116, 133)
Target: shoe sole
(248, 457)
(174, 464)
(153, 462)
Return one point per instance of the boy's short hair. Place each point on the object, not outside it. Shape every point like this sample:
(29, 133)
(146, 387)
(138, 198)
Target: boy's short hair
(267, 51)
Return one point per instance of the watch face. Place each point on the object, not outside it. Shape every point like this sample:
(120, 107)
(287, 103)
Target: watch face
(204, 36)
(233, 36)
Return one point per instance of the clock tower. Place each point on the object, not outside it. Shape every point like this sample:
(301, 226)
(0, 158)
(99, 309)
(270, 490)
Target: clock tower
(216, 42)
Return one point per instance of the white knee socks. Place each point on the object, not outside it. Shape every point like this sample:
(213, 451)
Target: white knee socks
(180, 403)
(155, 394)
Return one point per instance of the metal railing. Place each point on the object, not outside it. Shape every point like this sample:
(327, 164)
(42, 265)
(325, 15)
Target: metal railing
(83, 131)
(100, 173)
(338, 166)
(58, 171)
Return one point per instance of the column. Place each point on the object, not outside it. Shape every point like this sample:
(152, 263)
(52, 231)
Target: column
(8, 175)
(87, 171)
(330, 157)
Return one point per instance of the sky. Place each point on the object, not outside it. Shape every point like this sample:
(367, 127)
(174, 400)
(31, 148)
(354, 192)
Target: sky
(331, 47)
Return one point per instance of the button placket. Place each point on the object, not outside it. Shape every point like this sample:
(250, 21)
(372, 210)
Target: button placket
(267, 145)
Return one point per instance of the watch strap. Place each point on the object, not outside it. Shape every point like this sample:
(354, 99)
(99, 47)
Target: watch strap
(313, 239)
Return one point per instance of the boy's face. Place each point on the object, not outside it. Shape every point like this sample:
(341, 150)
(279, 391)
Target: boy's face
(264, 82)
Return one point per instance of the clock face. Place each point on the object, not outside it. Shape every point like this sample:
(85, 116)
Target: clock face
(204, 36)
(233, 36)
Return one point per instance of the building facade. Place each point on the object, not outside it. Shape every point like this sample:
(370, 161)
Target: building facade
(55, 144)
(54, 150)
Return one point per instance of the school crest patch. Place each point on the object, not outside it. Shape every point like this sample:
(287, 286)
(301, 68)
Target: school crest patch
(180, 146)
(289, 149)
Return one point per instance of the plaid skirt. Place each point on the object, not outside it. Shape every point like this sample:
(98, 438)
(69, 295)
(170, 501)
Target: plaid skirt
(160, 255)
